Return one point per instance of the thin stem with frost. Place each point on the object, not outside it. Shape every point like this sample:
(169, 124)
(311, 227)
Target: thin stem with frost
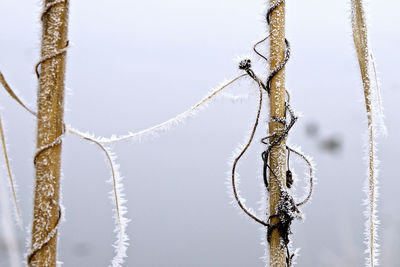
(151, 130)
(9, 236)
(360, 37)
(121, 244)
(240, 154)
(13, 95)
(173, 121)
(10, 177)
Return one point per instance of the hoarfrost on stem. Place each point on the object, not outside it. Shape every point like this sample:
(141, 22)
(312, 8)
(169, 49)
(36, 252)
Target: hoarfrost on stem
(8, 232)
(180, 118)
(375, 122)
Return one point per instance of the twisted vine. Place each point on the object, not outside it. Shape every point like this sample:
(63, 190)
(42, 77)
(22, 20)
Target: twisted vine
(286, 210)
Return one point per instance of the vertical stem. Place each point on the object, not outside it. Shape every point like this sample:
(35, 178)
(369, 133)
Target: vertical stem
(9, 237)
(14, 195)
(46, 211)
(360, 37)
(277, 109)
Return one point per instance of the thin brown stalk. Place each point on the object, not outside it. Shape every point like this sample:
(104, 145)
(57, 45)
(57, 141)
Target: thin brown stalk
(360, 37)
(277, 110)
(47, 211)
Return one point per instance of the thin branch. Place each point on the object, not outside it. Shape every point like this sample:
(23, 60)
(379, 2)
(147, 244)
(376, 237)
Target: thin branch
(311, 169)
(173, 121)
(122, 244)
(236, 160)
(360, 38)
(14, 195)
(14, 96)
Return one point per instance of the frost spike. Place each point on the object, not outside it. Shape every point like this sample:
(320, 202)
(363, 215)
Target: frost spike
(360, 37)
(277, 110)
(46, 211)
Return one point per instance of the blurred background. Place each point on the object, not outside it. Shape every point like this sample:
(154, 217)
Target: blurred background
(133, 64)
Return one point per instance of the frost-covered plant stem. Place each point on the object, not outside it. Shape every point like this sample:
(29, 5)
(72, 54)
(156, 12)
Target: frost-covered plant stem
(277, 110)
(360, 37)
(12, 186)
(7, 228)
(46, 211)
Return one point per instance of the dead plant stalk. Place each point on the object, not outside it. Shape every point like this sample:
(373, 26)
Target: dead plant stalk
(277, 110)
(360, 38)
(46, 211)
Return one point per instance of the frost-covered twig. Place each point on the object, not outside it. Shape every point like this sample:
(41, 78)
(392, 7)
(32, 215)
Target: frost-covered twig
(286, 209)
(361, 42)
(311, 169)
(154, 130)
(50, 129)
(276, 85)
(378, 111)
(10, 176)
(9, 237)
(13, 95)
(173, 121)
(241, 151)
(121, 244)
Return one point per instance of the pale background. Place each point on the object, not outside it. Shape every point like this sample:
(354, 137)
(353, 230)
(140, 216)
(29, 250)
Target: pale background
(136, 63)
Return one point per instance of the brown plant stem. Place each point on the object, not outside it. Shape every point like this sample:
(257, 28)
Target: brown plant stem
(360, 38)
(277, 110)
(46, 211)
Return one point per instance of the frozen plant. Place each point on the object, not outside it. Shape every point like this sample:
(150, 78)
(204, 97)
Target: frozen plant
(374, 120)
(47, 210)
